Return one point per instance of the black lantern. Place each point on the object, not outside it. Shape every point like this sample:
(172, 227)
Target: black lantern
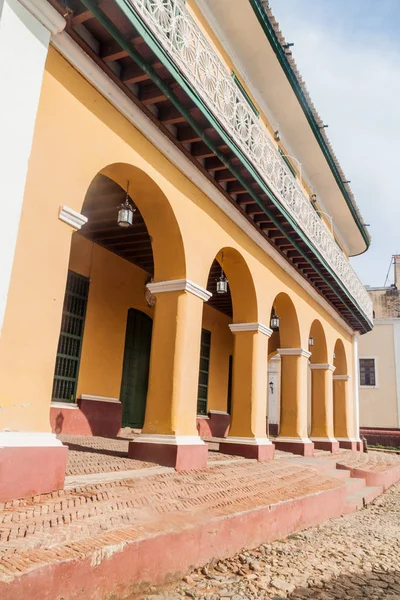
(274, 321)
(311, 341)
(222, 282)
(126, 210)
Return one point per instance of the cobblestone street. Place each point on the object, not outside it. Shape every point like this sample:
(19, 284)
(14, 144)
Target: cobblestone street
(356, 556)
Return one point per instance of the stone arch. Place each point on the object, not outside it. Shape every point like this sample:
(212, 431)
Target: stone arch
(157, 213)
(288, 335)
(241, 285)
(342, 407)
(339, 358)
(319, 351)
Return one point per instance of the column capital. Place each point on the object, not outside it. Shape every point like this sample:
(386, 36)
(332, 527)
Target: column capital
(45, 14)
(294, 352)
(179, 285)
(237, 327)
(322, 367)
(71, 217)
(341, 377)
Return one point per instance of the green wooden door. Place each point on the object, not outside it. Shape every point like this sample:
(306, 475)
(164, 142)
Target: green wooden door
(204, 372)
(135, 374)
(71, 336)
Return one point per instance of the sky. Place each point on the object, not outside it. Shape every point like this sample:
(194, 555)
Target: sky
(348, 52)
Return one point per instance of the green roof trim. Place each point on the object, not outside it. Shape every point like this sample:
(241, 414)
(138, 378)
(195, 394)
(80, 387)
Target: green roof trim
(294, 82)
(165, 58)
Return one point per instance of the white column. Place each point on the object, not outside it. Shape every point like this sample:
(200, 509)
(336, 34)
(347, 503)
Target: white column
(356, 386)
(25, 31)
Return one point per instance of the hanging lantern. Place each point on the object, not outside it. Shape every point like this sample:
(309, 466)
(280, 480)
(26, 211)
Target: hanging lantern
(126, 210)
(311, 341)
(334, 355)
(222, 282)
(274, 321)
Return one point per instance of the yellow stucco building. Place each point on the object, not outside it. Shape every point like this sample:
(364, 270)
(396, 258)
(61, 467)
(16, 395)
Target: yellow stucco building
(192, 117)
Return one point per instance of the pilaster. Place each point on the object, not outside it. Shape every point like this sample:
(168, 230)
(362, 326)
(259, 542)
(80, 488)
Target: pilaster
(169, 436)
(247, 435)
(293, 436)
(322, 430)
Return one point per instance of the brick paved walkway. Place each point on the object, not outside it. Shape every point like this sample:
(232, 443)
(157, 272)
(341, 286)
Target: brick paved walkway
(91, 454)
(88, 520)
(355, 557)
(133, 508)
(374, 462)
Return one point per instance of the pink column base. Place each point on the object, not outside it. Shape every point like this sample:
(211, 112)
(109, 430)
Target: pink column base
(330, 446)
(29, 471)
(302, 448)
(256, 451)
(180, 457)
(348, 445)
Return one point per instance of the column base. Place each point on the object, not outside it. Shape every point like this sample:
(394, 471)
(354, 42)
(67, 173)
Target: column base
(183, 453)
(301, 446)
(328, 444)
(257, 448)
(30, 464)
(349, 444)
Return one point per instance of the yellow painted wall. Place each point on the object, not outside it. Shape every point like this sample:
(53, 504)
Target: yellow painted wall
(78, 133)
(378, 405)
(221, 349)
(117, 285)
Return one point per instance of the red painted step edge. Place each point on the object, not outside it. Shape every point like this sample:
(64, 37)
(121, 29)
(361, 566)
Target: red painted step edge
(127, 567)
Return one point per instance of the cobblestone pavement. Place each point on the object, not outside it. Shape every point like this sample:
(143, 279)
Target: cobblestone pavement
(356, 556)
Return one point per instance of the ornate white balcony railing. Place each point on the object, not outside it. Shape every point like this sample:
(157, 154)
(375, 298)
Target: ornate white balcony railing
(182, 38)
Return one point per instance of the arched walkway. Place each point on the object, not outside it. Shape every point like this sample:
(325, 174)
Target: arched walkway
(141, 266)
(342, 409)
(247, 434)
(286, 339)
(322, 434)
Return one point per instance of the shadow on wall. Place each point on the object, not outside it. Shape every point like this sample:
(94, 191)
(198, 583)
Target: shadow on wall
(88, 417)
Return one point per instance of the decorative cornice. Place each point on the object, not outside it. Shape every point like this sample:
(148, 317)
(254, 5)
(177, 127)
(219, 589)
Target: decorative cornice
(294, 352)
(109, 90)
(322, 367)
(341, 377)
(237, 327)
(46, 14)
(71, 217)
(179, 285)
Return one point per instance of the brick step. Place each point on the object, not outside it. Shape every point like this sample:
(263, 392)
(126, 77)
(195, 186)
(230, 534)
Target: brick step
(323, 465)
(362, 497)
(354, 484)
(338, 474)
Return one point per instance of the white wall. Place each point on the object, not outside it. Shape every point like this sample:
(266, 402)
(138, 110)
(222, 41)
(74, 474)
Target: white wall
(24, 41)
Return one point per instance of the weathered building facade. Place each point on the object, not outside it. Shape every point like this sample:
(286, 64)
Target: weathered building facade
(380, 358)
(176, 218)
